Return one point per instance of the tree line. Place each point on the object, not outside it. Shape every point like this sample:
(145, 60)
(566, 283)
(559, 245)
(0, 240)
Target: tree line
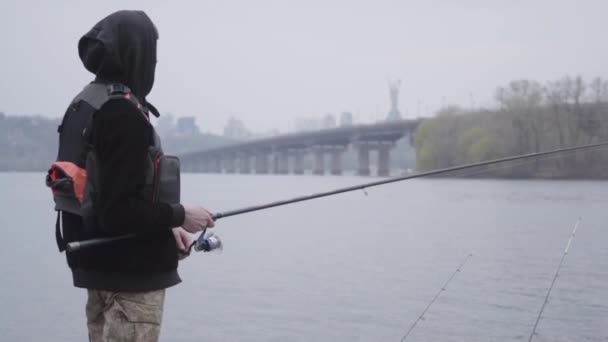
(29, 143)
(530, 117)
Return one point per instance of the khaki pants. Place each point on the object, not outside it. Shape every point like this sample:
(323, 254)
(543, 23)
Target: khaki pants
(124, 316)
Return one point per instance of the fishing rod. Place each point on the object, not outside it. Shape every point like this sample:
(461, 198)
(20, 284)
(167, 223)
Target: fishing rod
(77, 245)
(421, 316)
(542, 308)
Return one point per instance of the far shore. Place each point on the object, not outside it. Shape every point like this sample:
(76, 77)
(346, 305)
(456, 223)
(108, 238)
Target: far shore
(397, 173)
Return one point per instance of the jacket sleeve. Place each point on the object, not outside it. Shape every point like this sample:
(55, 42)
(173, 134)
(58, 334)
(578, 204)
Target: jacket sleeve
(121, 136)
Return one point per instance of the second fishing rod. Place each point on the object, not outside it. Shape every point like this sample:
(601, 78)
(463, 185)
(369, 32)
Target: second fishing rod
(206, 242)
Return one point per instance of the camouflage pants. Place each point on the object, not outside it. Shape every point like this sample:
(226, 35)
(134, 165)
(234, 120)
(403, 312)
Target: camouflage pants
(124, 316)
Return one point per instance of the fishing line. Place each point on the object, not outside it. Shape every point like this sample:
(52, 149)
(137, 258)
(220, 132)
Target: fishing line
(542, 308)
(466, 174)
(76, 245)
(421, 317)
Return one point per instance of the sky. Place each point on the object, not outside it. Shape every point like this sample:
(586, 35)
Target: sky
(269, 63)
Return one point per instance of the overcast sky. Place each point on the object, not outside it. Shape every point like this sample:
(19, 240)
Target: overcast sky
(270, 62)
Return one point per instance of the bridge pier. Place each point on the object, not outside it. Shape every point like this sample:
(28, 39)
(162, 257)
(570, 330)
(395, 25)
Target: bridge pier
(298, 160)
(261, 162)
(363, 160)
(335, 164)
(384, 161)
(229, 161)
(281, 161)
(215, 164)
(189, 166)
(275, 162)
(384, 158)
(201, 165)
(244, 162)
(319, 160)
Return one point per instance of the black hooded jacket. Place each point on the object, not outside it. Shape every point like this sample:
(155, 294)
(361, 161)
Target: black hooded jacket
(121, 48)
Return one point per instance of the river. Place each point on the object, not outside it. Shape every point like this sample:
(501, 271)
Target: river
(353, 267)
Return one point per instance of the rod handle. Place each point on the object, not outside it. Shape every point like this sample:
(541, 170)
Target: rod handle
(75, 246)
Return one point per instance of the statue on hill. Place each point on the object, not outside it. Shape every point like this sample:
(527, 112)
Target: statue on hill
(394, 114)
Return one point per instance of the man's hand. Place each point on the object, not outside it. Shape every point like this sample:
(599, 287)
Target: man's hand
(183, 240)
(196, 219)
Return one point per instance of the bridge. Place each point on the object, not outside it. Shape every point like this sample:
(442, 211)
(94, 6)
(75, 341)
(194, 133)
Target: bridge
(273, 154)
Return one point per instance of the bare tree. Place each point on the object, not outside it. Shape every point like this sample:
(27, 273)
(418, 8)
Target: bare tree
(531, 117)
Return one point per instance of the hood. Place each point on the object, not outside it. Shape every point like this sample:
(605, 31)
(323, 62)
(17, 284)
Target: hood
(122, 48)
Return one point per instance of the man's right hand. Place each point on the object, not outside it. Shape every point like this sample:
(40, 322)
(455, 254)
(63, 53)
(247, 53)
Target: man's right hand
(196, 219)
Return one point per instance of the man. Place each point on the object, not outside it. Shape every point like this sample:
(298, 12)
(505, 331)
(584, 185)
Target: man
(107, 129)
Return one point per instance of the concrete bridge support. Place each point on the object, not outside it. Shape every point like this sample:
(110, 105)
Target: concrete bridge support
(215, 164)
(319, 160)
(190, 166)
(384, 160)
(201, 165)
(261, 162)
(275, 162)
(298, 161)
(335, 163)
(229, 161)
(244, 162)
(281, 162)
(363, 165)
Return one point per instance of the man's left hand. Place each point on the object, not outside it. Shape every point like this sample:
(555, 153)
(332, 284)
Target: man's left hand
(183, 240)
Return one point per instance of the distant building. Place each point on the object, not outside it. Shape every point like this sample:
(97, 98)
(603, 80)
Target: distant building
(165, 125)
(236, 129)
(307, 124)
(329, 121)
(187, 126)
(346, 119)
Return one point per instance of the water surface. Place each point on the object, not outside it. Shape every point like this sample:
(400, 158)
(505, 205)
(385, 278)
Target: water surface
(347, 268)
